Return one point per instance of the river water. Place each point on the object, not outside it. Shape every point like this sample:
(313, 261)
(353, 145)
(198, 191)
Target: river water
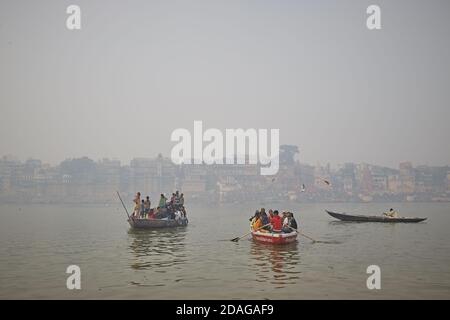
(38, 243)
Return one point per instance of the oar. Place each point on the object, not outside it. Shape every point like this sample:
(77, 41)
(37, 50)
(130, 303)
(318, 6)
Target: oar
(307, 237)
(313, 240)
(123, 204)
(238, 238)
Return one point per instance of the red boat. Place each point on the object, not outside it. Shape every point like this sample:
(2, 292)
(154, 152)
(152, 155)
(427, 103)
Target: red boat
(274, 238)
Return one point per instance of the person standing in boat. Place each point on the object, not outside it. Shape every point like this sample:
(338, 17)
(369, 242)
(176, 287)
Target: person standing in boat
(147, 206)
(176, 202)
(162, 201)
(182, 208)
(172, 199)
(181, 200)
(137, 204)
(276, 222)
(142, 209)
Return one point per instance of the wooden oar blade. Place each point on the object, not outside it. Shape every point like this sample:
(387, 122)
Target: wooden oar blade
(238, 238)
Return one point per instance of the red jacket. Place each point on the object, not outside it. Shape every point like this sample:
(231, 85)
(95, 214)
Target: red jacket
(276, 223)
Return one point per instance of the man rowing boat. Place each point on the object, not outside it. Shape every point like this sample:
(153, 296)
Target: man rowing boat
(391, 214)
(289, 223)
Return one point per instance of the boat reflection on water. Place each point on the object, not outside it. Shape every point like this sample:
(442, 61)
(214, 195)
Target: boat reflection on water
(157, 249)
(276, 264)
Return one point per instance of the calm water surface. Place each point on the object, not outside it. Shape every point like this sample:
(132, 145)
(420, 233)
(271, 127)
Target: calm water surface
(38, 243)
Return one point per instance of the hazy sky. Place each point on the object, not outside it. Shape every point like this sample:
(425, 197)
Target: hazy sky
(140, 69)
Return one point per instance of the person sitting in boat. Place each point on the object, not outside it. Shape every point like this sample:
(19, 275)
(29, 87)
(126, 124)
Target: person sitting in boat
(183, 211)
(391, 214)
(161, 213)
(151, 214)
(276, 222)
(256, 221)
(270, 216)
(264, 219)
(147, 206)
(289, 223)
(178, 215)
(162, 201)
(157, 213)
(253, 217)
(292, 221)
(137, 204)
(171, 211)
(285, 223)
(142, 209)
(285, 218)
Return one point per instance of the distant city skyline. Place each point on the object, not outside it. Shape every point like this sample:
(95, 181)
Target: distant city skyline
(127, 162)
(84, 180)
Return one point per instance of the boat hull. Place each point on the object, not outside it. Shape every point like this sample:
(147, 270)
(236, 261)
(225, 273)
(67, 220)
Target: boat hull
(157, 223)
(274, 238)
(361, 218)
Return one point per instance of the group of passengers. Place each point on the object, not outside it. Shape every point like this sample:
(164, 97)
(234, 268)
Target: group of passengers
(273, 221)
(171, 209)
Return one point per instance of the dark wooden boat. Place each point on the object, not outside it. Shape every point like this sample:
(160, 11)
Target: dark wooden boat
(157, 223)
(361, 218)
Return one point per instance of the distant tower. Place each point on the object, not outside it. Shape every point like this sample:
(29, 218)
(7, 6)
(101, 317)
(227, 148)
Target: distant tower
(407, 178)
(287, 154)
